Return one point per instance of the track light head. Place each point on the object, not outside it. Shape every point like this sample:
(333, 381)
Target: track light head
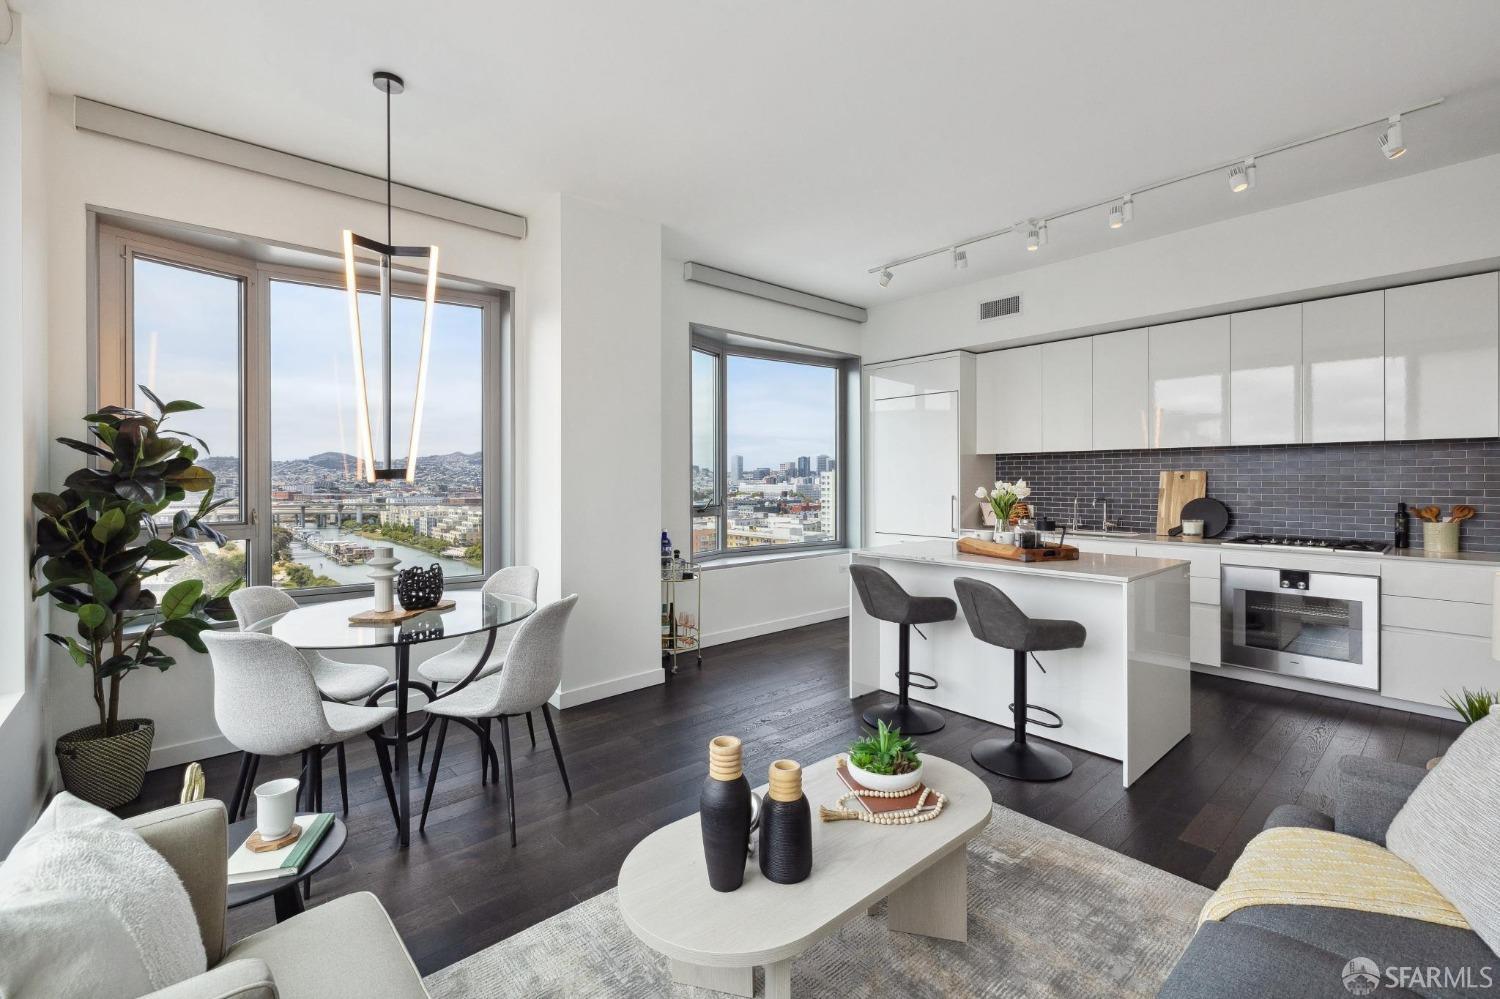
(1390, 140)
(1033, 238)
(1242, 176)
(885, 277)
(960, 258)
(1116, 215)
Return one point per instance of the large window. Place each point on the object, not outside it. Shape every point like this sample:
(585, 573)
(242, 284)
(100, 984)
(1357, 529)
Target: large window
(265, 349)
(767, 449)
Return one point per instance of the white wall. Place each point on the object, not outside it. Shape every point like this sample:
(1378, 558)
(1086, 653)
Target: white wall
(1415, 226)
(24, 745)
(740, 601)
(92, 170)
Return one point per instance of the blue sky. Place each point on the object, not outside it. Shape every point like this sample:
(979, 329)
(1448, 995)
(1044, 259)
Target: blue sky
(776, 410)
(186, 325)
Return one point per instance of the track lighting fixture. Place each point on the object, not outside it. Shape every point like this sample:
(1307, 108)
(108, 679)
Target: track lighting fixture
(960, 258)
(1242, 175)
(1121, 211)
(885, 277)
(1390, 139)
(1033, 238)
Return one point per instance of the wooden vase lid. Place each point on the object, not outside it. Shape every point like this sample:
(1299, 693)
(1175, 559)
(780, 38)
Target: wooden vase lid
(724, 757)
(785, 781)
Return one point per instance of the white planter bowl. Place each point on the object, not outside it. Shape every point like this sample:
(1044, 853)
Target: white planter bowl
(886, 782)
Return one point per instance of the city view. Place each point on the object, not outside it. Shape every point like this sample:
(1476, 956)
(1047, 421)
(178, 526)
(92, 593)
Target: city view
(794, 502)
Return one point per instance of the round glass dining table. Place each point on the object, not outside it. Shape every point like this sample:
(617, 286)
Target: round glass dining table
(326, 627)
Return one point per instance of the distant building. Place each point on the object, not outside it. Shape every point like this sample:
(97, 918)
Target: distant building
(828, 497)
(804, 466)
(737, 467)
(824, 463)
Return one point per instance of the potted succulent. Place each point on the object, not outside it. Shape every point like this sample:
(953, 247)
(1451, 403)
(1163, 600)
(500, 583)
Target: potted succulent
(885, 761)
(1002, 500)
(98, 542)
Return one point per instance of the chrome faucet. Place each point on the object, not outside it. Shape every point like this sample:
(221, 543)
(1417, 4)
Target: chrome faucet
(1073, 523)
(1105, 524)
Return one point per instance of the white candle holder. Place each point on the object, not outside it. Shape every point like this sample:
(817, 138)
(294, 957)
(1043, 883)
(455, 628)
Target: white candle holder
(383, 573)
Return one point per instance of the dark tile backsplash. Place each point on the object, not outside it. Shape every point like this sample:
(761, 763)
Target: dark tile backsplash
(1323, 490)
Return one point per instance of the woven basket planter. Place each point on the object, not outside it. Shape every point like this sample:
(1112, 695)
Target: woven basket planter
(106, 770)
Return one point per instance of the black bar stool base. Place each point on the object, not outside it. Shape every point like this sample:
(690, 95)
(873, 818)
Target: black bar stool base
(911, 719)
(1021, 760)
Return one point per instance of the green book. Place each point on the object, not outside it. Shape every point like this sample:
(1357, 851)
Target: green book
(246, 866)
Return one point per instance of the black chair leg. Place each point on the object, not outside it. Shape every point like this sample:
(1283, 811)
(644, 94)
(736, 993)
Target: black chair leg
(249, 785)
(909, 718)
(343, 780)
(315, 792)
(556, 749)
(510, 784)
(385, 775)
(491, 758)
(1016, 757)
(484, 751)
(239, 786)
(304, 792)
(437, 758)
(422, 752)
(531, 729)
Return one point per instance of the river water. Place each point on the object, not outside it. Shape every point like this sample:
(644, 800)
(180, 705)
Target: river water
(325, 566)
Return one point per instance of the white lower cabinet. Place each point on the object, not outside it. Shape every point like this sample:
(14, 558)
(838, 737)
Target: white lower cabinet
(1421, 666)
(1203, 634)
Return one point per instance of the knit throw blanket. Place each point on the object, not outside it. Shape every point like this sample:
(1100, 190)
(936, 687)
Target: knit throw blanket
(1291, 866)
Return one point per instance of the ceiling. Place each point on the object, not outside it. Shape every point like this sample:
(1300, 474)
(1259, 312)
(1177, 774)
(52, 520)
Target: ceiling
(804, 142)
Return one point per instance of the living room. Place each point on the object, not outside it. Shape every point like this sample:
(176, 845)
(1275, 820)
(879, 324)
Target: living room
(666, 499)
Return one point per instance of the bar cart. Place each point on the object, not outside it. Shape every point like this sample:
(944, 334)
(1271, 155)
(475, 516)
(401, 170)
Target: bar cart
(681, 610)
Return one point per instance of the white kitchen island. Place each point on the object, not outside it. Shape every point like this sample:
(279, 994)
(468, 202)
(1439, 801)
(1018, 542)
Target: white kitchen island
(1124, 694)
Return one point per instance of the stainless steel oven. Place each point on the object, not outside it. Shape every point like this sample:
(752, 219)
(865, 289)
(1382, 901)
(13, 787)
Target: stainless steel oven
(1318, 625)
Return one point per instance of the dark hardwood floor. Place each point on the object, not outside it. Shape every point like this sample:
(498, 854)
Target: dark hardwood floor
(637, 761)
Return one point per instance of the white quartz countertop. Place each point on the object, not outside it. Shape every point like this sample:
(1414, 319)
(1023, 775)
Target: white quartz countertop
(1394, 555)
(1088, 566)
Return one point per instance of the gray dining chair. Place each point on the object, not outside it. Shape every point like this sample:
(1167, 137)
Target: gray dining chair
(337, 681)
(533, 670)
(267, 704)
(457, 663)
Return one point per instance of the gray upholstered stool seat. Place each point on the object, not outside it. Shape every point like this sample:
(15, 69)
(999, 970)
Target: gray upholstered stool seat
(995, 619)
(886, 600)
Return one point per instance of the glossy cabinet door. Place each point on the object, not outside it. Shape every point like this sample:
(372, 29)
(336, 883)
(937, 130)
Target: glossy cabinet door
(1442, 359)
(1008, 401)
(1188, 364)
(934, 374)
(1121, 390)
(914, 459)
(1068, 395)
(1265, 376)
(1343, 368)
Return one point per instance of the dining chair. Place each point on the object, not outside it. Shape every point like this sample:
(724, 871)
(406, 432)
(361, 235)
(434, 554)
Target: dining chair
(458, 662)
(533, 670)
(344, 682)
(267, 704)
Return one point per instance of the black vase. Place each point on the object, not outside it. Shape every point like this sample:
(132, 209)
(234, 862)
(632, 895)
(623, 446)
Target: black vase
(785, 827)
(724, 815)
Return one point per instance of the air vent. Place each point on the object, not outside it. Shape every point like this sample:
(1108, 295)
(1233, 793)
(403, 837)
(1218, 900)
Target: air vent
(999, 308)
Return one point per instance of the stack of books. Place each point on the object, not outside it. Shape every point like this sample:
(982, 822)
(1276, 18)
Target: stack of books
(246, 866)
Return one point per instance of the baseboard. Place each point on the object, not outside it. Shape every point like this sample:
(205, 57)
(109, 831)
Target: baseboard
(1333, 690)
(770, 627)
(608, 688)
(187, 752)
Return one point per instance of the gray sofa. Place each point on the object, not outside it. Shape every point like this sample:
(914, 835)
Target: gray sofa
(1291, 951)
(346, 947)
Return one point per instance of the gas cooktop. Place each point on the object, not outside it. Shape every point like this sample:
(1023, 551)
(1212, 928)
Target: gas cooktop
(1340, 545)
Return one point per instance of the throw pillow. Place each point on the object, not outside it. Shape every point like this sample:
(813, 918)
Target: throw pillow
(1448, 828)
(88, 909)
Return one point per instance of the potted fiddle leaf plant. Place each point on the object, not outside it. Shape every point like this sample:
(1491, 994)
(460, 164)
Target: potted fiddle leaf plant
(98, 542)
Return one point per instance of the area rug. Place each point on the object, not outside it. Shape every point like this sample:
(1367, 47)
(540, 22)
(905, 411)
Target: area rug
(1049, 915)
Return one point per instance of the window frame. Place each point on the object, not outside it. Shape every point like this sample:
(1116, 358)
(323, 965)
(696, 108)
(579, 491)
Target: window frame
(111, 380)
(722, 347)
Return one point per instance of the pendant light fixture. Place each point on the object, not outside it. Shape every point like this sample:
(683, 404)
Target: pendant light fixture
(384, 254)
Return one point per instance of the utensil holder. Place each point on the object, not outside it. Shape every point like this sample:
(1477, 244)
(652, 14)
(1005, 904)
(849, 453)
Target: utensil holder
(1441, 538)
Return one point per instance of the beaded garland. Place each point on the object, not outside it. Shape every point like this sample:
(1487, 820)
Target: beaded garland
(920, 812)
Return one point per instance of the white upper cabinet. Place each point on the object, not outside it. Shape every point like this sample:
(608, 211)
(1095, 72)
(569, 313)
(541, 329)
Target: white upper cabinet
(1008, 401)
(1442, 359)
(1265, 376)
(1188, 365)
(1343, 368)
(1068, 395)
(1121, 391)
(936, 374)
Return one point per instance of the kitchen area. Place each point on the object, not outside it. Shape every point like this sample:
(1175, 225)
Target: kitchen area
(1310, 423)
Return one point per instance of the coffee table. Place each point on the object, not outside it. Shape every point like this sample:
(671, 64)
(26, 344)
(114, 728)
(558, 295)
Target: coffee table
(714, 940)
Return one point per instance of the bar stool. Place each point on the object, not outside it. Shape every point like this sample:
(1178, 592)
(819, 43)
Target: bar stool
(885, 600)
(995, 620)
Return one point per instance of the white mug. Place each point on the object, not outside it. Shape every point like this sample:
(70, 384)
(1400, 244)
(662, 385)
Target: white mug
(276, 807)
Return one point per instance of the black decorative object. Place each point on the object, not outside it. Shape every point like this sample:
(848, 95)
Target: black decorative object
(724, 815)
(419, 589)
(785, 827)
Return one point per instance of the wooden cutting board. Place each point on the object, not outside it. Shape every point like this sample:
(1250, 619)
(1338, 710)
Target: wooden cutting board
(375, 617)
(1015, 553)
(1174, 490)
